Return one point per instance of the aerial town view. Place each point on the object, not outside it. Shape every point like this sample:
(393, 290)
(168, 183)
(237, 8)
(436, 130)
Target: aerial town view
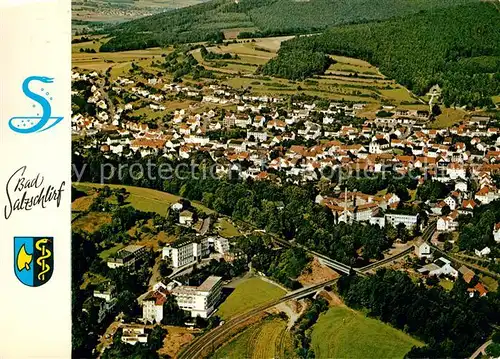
(286, 179)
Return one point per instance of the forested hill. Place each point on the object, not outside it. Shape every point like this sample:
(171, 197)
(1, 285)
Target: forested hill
(457, 48)
(205, 22)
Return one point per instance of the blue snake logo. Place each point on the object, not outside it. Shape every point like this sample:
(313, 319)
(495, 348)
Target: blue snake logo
(32, 124)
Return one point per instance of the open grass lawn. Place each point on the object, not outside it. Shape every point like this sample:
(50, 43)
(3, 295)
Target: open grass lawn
(448, 118)
(227, 230)
(446, 284)
(264, 340)
(145, 199)
(398, 94)
(490, 283)
(344, 333)
(92, 278)
(92, 221)
(249, 294)
(413, 194)
(382, 192)
(111, 251)
(352, 61)
(342, 66)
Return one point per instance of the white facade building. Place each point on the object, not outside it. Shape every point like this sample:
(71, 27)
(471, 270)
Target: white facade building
(423, 250)
(134, 334)
(187, 251)
(395, 219)
(202, 300)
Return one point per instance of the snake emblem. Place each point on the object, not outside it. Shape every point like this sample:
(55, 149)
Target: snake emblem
(32, 124)
(40, 245)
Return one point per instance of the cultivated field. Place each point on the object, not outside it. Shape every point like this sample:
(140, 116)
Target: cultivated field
(264, 340)
(249, 294)
(119, 62)
(348, 79)
(352, 335)
(144, 199)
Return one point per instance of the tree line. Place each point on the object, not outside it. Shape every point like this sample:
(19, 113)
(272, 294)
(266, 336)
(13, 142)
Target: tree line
(206, 21)
(254, 202)
(440, 318)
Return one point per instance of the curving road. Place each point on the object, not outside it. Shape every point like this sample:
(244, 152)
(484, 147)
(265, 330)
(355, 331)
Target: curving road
(200, 344)
(196, 349)
(480, 350)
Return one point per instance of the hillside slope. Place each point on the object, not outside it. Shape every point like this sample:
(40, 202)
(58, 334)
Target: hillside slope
(457, 48)
(204, 22)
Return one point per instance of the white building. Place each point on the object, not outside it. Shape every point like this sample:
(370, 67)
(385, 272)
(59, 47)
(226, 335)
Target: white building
(186, 218)
(483, 252)
(186, 251)
(134, 334)
(259, 136)
(127, 257)
(380, 221)
(451, 202)
(202, 300)
(487, 194)
(379, 146)
(406, 219)
(152, 303)
(496, 232)
(107, 292)
(441, 266)
(448, 223)
(461, 186)
(221, 245)
(423, 250)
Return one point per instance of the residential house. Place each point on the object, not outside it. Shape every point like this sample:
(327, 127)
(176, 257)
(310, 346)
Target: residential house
(448, 223)
(440, 266)
(483, 252)
(186, 218)
(423, 250)
(467, 274)
(478, 290)
(496, 232)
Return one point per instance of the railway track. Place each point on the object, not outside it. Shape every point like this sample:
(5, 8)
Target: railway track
(379, 263)
(339, 266)
(196, 349)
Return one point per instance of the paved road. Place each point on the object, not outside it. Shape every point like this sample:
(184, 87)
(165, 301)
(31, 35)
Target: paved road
(481, 349)
(155, 273)
(206, 226)
(111, 106)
